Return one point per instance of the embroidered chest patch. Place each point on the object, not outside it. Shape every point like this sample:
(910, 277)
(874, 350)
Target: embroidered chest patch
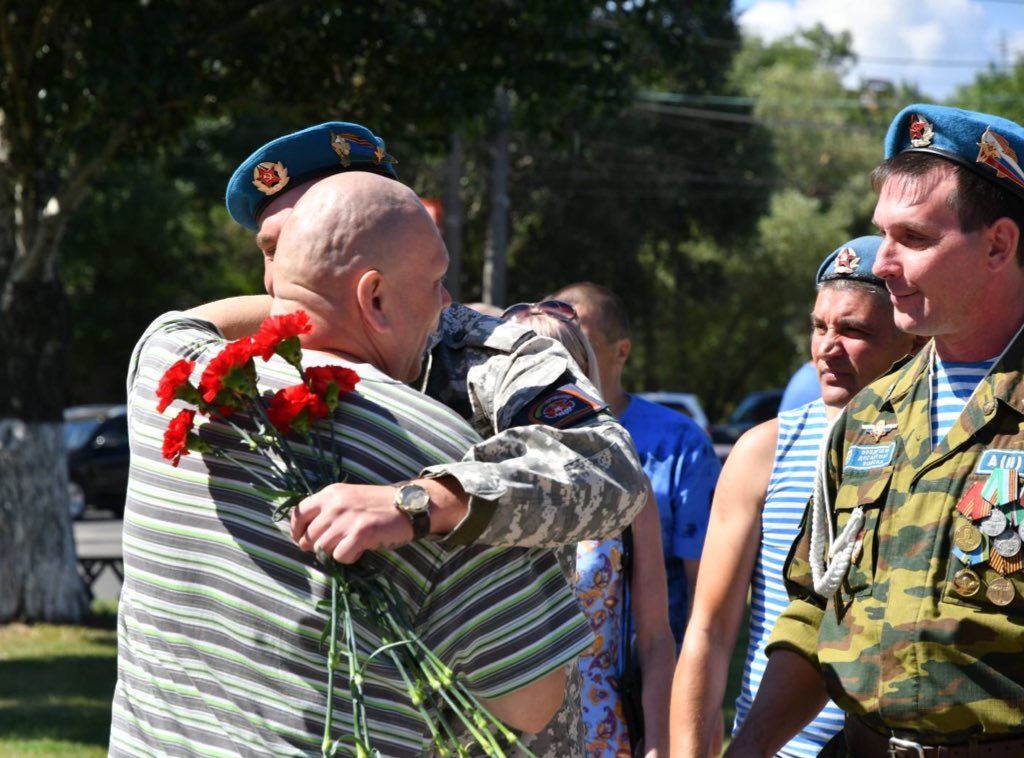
(867, 457)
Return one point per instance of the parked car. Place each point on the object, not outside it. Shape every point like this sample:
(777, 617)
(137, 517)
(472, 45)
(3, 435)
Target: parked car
(684, 402)
(96, 438)
(752, 410)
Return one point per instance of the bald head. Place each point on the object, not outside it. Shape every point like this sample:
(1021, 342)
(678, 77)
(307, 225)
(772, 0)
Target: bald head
(340, 227)
(362, 256)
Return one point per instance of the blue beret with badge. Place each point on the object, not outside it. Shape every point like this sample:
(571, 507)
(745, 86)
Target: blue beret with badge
(312, 153)
(852, 260)
(987, 145)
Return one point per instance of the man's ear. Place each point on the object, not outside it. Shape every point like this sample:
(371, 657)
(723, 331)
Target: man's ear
(1004, 234)
(622, 348)
(370, 297)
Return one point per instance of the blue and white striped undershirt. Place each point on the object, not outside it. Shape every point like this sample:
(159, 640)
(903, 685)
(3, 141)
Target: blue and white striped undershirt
(952, 386)
(801, 432)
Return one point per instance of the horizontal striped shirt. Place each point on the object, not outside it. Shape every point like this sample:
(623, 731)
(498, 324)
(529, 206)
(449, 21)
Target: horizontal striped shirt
(219, 627)
(952, 386)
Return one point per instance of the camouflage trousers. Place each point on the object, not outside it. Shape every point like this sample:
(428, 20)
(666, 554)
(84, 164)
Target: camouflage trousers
(564, 736)
(557, 740)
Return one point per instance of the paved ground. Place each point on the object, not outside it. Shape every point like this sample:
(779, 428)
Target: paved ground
(98, 535)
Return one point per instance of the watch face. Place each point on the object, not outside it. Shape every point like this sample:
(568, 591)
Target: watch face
(412, 498)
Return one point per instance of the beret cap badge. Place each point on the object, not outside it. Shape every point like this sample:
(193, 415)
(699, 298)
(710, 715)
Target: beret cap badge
(995, 152)
(846, 262)
(270, 178)
(921, 132)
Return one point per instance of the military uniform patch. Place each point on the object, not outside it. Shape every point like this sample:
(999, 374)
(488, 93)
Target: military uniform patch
(560, 407)
(867, 457)
(993, 459)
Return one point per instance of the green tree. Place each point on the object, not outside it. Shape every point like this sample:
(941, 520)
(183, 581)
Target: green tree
(100, 104)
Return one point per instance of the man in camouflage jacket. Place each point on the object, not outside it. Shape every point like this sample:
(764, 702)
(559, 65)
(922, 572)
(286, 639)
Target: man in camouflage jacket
(555, 467)
(908, 606)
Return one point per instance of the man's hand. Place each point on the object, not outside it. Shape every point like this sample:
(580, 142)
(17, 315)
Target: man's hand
(346, 520)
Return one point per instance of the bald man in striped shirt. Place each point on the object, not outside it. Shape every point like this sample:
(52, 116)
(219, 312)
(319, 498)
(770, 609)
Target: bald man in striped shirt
(219, 650)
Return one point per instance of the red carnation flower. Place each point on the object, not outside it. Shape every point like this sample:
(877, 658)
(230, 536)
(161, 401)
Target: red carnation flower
(174, 384)
(232, 370)
(295, 406)
(321, 378)
(280, 334)
(176, 436)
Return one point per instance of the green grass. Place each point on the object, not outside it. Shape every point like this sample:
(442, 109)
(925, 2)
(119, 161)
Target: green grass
(56, 684)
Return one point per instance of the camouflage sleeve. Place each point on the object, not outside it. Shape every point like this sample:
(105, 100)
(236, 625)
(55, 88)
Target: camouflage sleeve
(538, 484)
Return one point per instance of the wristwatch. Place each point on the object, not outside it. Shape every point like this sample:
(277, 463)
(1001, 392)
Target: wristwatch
(414, 501)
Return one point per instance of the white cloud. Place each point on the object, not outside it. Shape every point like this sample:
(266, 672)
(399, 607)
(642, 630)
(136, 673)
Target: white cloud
(927, 43)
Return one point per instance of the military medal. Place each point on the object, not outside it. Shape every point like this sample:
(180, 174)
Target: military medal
(1000, 591)
(966, 582)
(973, 505)
(994, 535)
(967, 537)
(1007, 544)
(994, 525)
(1005, 565)
(997, 488)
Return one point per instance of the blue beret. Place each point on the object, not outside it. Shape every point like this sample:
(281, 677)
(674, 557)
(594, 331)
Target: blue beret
(852, 260)
(312, 153)
(987, 145)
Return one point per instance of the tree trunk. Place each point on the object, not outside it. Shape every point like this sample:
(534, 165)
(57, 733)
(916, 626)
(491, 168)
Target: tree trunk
(39, 579)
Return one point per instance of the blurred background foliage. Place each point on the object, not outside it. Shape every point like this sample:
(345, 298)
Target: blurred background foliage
(700, 174)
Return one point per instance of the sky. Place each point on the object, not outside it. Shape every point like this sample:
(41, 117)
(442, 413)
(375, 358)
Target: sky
(935, 44)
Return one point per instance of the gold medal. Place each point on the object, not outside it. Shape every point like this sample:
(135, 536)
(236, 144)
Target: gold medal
(1000, 591)
(966, 582)
(967, 537)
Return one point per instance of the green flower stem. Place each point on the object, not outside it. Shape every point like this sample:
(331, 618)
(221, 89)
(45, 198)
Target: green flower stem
(332, 662)
(355, 679)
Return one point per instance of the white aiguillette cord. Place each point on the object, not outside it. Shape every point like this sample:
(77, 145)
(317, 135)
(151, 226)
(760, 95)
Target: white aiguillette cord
(826, 579)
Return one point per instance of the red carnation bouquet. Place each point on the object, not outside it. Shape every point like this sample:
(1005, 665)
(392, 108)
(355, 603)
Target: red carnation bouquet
(271, 423)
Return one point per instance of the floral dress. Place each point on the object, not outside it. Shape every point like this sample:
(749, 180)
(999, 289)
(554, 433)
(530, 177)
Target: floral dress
(599, 591)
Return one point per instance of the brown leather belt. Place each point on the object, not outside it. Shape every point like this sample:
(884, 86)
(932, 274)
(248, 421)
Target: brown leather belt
(864, 742)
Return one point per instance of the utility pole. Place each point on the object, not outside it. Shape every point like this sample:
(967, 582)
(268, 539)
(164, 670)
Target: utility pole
(497, 229)
(451, 202)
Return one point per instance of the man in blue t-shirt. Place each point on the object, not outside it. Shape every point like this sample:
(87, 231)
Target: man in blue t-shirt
(677, 455)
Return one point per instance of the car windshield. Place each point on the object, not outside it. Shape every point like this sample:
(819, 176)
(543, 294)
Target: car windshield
(78, 432)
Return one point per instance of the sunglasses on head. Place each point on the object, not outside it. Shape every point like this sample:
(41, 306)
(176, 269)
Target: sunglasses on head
(557, 308)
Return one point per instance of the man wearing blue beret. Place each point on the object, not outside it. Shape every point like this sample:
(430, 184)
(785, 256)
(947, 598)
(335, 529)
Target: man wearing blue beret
(906, 582)
(555, 467)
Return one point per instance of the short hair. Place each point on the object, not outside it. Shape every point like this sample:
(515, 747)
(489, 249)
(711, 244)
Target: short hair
(570, 335)
(611, 312)
(858, 285)
(976, 200)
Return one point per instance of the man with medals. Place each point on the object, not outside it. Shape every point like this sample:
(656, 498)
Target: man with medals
(760, 498)
(906, 584)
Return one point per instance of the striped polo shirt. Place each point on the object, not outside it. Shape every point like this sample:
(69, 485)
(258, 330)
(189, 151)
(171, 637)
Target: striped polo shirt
(801, 432)
(219, 650)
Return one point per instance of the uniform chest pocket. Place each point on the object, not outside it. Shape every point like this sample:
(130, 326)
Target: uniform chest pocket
(866, 490)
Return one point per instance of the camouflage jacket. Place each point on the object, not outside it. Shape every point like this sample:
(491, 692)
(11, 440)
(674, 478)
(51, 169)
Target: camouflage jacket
(910, 641)
(530, 484)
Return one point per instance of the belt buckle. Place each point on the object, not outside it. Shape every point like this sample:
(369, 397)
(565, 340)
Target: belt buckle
(897, 744)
